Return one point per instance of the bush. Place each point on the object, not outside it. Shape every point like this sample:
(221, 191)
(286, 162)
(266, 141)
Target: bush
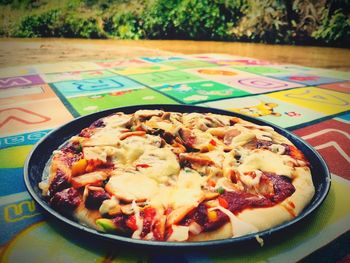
(263, 21)
(44, 25)
(191, 19)
(124, 26)
(158, 19)
(82, 27)
(56, 23)
(321, 22)
(334, 30)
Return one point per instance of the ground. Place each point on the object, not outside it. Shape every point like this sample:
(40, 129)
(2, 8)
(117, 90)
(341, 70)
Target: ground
(14, 52)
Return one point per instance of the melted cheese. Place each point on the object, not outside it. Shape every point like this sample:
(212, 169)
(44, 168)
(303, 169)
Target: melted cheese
(202, 139)
(117, 120)
(180, 233)
(147, 113)
(108, 205)
(99, 152)
(277, 148)
(105, 136)
(239, 227)
(228, 185)
(242, 139)
(217, 156)
(130, 186)
(167, 126)
(138, 221)
(251, 181)
(187, 192)
(228, 164)
(162, 163)
(188, 189)
(265, 161)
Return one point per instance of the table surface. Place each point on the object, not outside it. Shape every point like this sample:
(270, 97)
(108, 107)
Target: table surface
(45, 83)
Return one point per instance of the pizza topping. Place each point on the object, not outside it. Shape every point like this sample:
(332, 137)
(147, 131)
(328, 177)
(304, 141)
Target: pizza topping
(187, 137)
(118, 120)
(131, 186)
(282, 186)
(265, 161)
(178, 214)
(98, 124)
(239, 227)
(179, 233)
(94, 196)
(195, 159)
(136, 222)
(66, 200)
(106, 225)
(87, 132)
(99, 152)
(195, 228)
(59, 182)
(158, 175)
(109, 206)
(79, 167)
(93, 178)
(158, 164)
(277, 148)
(132, 133)
(230, 135)
(147, 114)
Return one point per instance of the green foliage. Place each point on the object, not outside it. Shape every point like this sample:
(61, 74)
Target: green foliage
(263, 21)
(191, 19)
(335, 29)
(56, 23)
(39, 25)
(123, 25)
(158, 19)
(322, 22)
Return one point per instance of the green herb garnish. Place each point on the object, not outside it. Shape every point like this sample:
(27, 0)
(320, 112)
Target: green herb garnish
(220, 190)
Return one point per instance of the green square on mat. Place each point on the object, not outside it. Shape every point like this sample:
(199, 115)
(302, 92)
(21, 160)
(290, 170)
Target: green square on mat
(155, 79)
(93, 103)
(261, 70)
(184, 64)
(195, 92)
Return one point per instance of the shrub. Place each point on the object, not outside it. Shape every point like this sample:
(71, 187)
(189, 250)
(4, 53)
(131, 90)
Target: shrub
(84, 27)
(44, 25)
(124, 26)
(321, 22)
(191, 19)
(158, 19)
(262, 21)
(57, 23)
(335, 29)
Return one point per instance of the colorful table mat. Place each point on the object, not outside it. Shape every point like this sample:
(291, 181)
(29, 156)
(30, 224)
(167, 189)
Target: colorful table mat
(313, 103)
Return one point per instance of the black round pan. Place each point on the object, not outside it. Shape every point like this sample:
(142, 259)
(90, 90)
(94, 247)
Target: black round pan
(41, 153)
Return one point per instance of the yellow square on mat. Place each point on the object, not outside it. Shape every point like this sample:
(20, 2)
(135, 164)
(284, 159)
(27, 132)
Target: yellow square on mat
(321, 100)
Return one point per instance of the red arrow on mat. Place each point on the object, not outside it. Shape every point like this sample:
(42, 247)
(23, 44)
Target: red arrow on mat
(331, 139)
(21, 115)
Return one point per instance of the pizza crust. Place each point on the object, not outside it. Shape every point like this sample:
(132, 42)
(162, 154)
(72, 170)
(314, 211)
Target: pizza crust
(265, 218)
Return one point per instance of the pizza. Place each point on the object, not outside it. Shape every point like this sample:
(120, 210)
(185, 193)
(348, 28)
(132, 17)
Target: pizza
(171, 176)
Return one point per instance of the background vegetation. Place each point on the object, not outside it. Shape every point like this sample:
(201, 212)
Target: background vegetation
(320, 22)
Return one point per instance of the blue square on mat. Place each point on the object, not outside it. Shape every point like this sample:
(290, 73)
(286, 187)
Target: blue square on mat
(17, 213)
(94, 86)
(11, 181)
(161, 59)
